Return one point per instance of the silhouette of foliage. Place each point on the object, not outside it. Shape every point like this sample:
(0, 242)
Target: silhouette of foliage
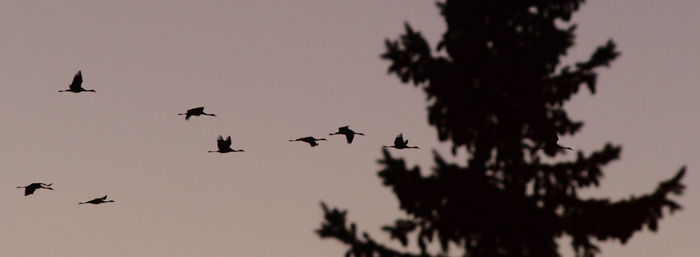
(496, 88)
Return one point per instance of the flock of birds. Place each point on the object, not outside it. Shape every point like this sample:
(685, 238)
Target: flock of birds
(223, 145)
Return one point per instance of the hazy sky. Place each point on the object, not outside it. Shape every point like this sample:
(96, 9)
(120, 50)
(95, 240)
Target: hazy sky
(274, 71)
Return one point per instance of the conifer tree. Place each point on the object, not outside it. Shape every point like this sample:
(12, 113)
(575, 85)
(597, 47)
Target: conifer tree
(497, 89)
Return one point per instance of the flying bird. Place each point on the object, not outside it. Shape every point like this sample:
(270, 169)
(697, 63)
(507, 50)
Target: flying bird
(310, 140)
(551, 144)
(76, 85)
(28, 190)
(98, 200)
(399, 143)
(349, 134)
(195, 112)
(224, 145)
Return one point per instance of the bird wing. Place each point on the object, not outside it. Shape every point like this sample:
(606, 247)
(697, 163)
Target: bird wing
(102, 198)
(343, 129)
(228, 141)
(29, 190)
(77, 80)
(349, 137)
(199, 110)
(398, 140)
(221, 143)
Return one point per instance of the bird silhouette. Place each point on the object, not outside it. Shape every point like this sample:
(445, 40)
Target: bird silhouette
(224, 145)
(310, 140)
(76, 85)
(28, 190)
(349, 134)
(98, 200)
(399, 143)
(195, 112)
(551, 144)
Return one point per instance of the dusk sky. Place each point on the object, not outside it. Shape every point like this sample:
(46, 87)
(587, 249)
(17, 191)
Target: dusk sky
(278, 70)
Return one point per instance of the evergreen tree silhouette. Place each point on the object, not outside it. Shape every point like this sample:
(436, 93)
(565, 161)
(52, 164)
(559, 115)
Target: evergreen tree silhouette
(496, 88)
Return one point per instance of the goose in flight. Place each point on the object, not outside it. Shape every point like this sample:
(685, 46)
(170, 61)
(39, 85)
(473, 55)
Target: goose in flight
(195, 112)
(76, 85)
(28, 190)
(98, 200)
(349, 134)
(310, 140)
(224, 145)
(399, 143)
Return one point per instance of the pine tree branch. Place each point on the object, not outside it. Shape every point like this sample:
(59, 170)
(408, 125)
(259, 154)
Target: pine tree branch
(604, 220)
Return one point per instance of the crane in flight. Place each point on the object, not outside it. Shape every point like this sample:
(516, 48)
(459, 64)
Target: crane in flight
(400, 143)
(98, 200)
(195, 112)
(224, 146)
(551, 144)
(76, 85)
(310, 140)
(29, 189)
(349, 134)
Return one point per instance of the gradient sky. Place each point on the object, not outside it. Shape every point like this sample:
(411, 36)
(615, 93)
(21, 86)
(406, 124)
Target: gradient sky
(274, 71)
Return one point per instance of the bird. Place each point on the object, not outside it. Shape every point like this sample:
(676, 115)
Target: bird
(75, 86)
(349, 134)
(195, 112)
(28, 190)
(98, 200)
(399, 143)
(224, 145)
(551, 144)
(310, 140)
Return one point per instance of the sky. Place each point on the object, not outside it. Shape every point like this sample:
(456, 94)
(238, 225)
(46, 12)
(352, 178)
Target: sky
(278, 70)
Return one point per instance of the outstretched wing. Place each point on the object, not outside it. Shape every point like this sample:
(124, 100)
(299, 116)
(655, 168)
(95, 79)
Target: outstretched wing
(228, 141)
(29, 190)
(102, 198)
(398, 140)
(199, 110)
(77, 80)
(349, 137)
